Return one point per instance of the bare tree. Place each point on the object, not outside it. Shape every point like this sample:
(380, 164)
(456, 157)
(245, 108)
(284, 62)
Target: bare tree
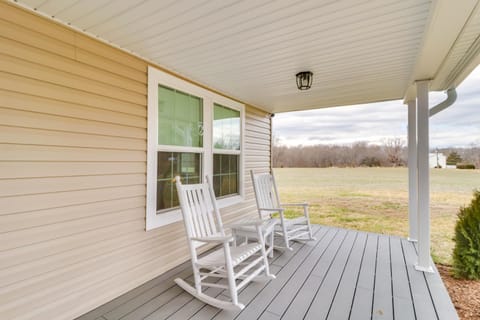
(394, 149)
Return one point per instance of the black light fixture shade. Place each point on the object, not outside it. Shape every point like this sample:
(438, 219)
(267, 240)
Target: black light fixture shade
(304, 80)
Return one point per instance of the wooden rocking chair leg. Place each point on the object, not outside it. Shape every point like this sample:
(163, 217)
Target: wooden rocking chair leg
(230, 277)
(272, 243)
(310, 232)
(264, 254)
(286, 238)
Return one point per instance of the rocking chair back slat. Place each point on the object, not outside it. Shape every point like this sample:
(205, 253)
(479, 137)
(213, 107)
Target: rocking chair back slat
(200, 211)
(203, 216)
(265, 191)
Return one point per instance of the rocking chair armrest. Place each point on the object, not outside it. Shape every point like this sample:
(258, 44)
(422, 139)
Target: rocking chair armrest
(271, 209)
(302, 204)
(223, 239)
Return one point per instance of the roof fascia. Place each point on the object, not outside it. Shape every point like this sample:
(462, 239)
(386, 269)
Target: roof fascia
(446, 21)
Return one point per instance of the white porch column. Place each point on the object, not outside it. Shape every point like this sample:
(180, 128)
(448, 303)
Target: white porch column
(423, 178)
(412, 172)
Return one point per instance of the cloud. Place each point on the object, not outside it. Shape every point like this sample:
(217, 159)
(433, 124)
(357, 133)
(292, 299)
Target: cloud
(458, 125)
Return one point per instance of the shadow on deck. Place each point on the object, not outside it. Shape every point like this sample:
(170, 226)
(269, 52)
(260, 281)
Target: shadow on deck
(344, 274)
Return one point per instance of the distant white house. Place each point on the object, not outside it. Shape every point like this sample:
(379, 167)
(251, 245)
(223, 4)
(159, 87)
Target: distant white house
(437, 159)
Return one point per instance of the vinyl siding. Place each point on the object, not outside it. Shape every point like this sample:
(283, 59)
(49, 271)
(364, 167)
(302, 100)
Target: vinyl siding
(72, 172)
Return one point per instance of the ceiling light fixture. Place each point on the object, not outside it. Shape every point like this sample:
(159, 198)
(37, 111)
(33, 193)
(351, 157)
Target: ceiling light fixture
(304, 80)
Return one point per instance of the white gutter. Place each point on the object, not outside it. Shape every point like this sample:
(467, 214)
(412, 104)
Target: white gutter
(451, 98)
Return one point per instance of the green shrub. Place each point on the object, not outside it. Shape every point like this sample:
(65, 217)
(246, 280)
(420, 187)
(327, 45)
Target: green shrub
(453, 158)
(465, 166)
(466, 254)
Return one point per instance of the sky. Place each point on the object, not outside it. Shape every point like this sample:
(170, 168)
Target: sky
(456, 126)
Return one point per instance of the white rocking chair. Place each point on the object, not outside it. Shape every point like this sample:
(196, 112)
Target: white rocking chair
(268, 203)
(238, 265)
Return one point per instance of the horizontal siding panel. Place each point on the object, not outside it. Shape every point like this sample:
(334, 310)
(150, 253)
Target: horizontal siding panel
(255, 159)
(36, 71)
(58, 62)
(71, 278)
(29, 254)
(29, 169)
(262, 130)
(50, 153)
(21, 238)
(22, 34)
(256, 143)
(111, 66)
(258, 122)
(257, 165)
(16, 135)
(66, 258)
(252, 134)
(257, 148)
(103, 288)
(25, 203)
(13, 187)
(258, 130)
(262, 152)
(26, 102)
(39, 24)
(34, 87)
(26, 220)
(10, 117)
(106, 51)
(251, 125)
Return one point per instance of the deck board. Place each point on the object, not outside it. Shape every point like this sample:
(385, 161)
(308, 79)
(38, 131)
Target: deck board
(382, 299)
(343, 274)
(342, 304)
(402, 296)
(363, 298)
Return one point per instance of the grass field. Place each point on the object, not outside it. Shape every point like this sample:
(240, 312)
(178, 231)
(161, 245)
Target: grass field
(376, 199)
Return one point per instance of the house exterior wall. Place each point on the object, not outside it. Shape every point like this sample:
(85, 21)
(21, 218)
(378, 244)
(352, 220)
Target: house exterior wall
(435, 159)
(73, 172)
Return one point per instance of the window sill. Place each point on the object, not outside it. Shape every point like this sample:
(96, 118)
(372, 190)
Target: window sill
(229, 201)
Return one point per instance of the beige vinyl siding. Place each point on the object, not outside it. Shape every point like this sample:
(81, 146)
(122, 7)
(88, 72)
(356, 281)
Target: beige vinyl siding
(73, 172)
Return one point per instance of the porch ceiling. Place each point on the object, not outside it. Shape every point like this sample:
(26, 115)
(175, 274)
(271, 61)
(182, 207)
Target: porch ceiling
(359, 51)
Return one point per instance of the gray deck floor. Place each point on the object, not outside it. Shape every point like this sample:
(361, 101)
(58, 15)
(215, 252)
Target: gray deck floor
(344, 274)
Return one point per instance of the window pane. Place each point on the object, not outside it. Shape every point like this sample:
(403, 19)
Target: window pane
(180, 118)
(169, 165)
(225, 174)
(226, 128)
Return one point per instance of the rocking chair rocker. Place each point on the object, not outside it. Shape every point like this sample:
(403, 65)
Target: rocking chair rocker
(238, 265)
(268, 203)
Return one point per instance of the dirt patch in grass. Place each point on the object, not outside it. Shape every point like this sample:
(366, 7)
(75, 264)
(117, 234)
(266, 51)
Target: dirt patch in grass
(465, 294)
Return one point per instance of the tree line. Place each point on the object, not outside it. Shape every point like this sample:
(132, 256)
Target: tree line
(392, 153)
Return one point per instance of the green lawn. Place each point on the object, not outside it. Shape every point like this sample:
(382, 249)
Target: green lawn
(376, 199)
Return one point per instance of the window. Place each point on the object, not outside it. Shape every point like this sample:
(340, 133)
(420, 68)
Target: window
(226, 144)
(192, 132)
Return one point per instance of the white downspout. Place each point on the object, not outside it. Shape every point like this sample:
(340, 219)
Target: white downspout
(451, 98)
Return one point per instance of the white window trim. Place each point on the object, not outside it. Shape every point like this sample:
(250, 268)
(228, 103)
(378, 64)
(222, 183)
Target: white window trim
(157, 77)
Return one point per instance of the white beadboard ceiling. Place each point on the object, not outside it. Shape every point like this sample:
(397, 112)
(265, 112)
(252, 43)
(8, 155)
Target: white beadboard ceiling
(359, 50)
